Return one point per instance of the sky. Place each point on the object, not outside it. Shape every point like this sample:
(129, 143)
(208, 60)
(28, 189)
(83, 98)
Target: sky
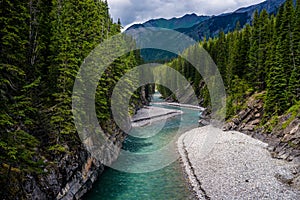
(139, 11)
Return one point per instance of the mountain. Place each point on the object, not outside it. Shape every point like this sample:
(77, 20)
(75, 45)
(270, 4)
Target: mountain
(227, 22)
(199, 27)
(186, 21)
(270, 5)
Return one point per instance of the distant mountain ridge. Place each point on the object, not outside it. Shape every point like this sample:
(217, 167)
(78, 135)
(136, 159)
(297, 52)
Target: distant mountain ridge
(199, 27)
(186, 21)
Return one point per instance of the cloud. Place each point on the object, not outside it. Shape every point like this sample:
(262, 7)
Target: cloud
(133, 11)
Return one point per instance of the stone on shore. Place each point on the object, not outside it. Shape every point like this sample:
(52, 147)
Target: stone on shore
(232, 165)
(149, 114)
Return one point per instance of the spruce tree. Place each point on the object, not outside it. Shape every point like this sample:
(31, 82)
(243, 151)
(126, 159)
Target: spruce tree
(276, 97)
(253, 52)
(294, 81)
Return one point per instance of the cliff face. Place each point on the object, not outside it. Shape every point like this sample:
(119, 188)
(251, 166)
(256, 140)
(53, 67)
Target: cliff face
(281, 133)
(71, 173)
(70, 177)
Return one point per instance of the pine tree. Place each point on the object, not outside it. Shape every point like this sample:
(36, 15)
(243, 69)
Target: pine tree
(244, 52)
(253, 52)
(264, 37)
(276, 97)
(233, 58)
(222, 54)
(286, 37)
(294, 81)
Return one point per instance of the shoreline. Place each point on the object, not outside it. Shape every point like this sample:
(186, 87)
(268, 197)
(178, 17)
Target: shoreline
(180, 105)
(237, 166)
(149, 114)
(188, 169)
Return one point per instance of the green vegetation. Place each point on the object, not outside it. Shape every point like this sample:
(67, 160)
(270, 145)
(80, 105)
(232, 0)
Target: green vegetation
(260, 57)
(43, 44)
(294, 112)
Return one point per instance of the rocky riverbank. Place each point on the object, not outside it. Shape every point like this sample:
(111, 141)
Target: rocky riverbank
(69, 177)
(235, 166)
(282, 133)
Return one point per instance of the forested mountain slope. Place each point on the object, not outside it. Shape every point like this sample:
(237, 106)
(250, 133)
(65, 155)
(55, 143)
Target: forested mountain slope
(43, 44)
(260, 67)
(199, 27)
(260, 57)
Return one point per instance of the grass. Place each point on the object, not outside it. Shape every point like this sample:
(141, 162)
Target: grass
(58, 148)
(271, 124)
(295, 112)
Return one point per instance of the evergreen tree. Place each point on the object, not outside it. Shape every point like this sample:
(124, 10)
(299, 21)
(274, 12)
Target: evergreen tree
(253, 52)
(222, 54)
(285, 35)
(264, 37)
(42, 46)
(276, 97)
(294, 81)
(244, 52)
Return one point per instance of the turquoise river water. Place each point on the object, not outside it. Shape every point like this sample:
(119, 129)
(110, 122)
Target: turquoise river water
(166, 183)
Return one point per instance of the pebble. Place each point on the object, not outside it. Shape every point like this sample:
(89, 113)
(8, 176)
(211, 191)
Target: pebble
(235, 166)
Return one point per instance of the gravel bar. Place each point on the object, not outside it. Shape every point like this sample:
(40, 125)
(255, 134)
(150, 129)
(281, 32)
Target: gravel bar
(149, 114)
(232, 165)
(180, 105)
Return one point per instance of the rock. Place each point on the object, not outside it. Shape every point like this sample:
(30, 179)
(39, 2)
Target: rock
(244, 113)
(283, 155)
(295, 153)
(203, 122)
(38, 194)
(255, 122)
(287, 137)
(258, 136)
(259, 104)
(248, 128)
(270, 148)
(294, 130)
(285, 176)
(296, 182)
(237, 167)
(296, 141)
(226, 127)
(282, 142)
(257, 115)
(236, 121)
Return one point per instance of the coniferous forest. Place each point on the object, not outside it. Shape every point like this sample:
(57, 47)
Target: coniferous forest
(43, 44)
(263, 58)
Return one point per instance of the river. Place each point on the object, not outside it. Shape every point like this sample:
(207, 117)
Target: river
(166, 183)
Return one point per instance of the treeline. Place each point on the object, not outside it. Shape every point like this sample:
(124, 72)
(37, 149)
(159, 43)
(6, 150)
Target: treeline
(261, 57)
(43, 44)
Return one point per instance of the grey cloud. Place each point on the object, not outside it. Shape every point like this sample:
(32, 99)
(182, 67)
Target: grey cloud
(130, 11)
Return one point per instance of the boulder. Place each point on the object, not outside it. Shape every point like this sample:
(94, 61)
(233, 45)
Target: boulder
(236, 121)
(203, 122)
(249, 128)
(255, 122)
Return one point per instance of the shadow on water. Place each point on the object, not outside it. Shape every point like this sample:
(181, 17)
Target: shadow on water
(133, 144)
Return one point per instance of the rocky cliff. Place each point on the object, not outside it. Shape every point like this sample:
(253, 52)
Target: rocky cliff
(68, 176)
(70, 172)
(281, 133)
